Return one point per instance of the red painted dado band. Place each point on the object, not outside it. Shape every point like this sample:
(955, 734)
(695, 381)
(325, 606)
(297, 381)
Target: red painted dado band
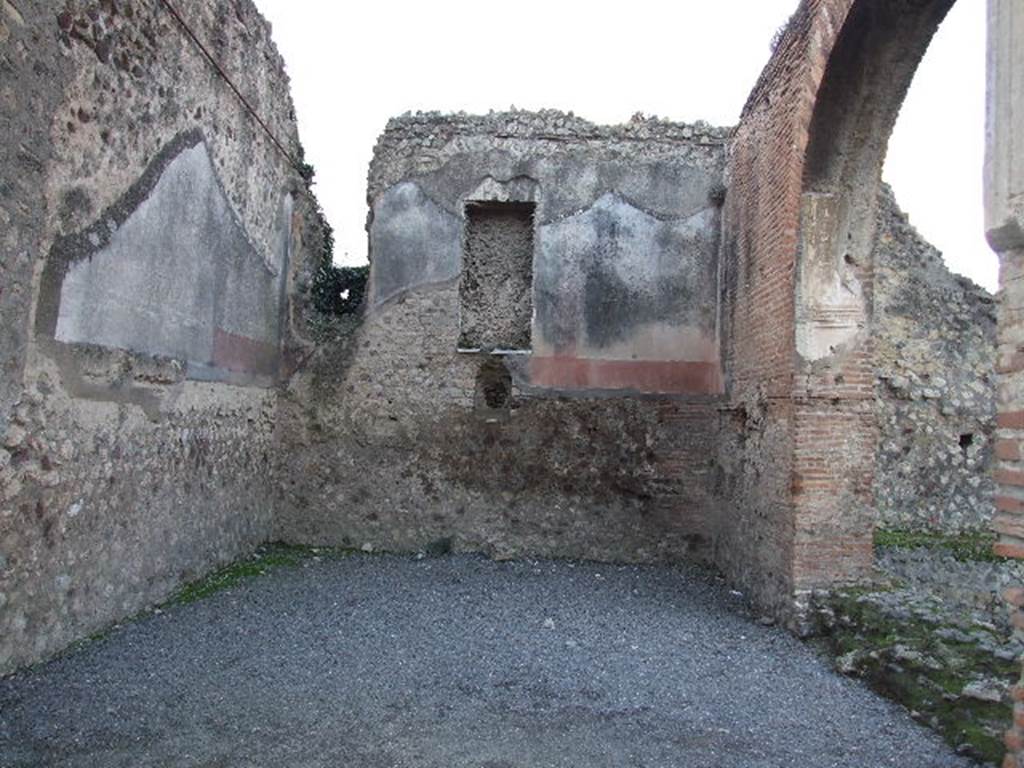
(654, 377)
(232, 352)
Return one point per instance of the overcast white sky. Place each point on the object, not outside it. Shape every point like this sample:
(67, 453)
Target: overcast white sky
(354, 65)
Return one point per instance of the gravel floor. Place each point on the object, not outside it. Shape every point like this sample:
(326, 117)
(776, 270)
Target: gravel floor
(379, 661)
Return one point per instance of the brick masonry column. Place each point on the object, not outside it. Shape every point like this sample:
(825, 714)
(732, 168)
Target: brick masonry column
(1004, 223)
(1009, 520)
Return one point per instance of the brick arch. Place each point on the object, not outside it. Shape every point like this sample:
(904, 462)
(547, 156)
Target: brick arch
(869, 69)
(798, 227)
(867, 75)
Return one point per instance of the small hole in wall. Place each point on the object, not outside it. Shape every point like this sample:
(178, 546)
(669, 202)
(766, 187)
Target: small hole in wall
(966, 441)
(850, 260)
(493, 386)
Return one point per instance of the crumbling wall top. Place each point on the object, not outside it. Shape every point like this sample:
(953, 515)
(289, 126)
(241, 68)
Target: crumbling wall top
(551, 124)
(411, 141)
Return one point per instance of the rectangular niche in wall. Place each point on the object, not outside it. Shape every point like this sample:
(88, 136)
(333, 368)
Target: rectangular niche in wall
(496, 290)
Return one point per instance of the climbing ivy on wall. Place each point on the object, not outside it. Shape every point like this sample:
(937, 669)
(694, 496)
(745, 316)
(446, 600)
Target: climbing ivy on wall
(339, 290)
(336, 291)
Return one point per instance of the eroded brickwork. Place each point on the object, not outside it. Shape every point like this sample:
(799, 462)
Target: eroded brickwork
(760, 225)
(799, 224)
(1010, 421)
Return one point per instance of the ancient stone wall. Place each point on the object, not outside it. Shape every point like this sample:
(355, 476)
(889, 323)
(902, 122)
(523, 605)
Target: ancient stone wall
(624, 279)
(477, 426)
(601, 443)
(146, 219)
(935, 362)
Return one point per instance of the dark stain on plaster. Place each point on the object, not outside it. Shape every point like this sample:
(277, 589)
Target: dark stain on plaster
(664, 188)
(613, 308)
(414, 241)
(614, 301)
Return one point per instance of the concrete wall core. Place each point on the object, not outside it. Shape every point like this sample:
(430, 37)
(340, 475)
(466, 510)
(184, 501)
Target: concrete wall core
(496, 286)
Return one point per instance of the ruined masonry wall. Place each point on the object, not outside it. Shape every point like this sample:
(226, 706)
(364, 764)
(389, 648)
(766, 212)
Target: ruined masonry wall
(397, 446)
(394, 446)
(797, 236)
(624, 279)
(138, 195)
(126, 468)
(935, 340)
(402, 442)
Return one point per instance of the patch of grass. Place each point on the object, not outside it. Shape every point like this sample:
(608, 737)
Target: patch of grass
(984, 741)
(967, 547)
(265, 559)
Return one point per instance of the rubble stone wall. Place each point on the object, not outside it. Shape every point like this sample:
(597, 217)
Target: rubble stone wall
(146, 228)
(603, 441)
(699, 383)
(935, 348)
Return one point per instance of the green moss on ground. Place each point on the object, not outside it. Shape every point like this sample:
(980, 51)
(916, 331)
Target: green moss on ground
(966, 547)
(265, 559)
(906, 659)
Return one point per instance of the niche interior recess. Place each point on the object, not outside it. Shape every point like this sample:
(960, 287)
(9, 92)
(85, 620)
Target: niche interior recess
(496, 289)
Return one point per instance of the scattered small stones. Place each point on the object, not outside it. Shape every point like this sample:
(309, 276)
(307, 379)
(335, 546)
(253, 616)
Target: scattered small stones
(850, 662)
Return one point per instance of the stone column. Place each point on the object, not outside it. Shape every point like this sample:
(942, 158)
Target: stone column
(1004, 223)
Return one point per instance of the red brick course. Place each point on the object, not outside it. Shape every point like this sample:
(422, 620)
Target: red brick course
(1007, 549)
(1010, 420)
(761, 237)
(1008, 450)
